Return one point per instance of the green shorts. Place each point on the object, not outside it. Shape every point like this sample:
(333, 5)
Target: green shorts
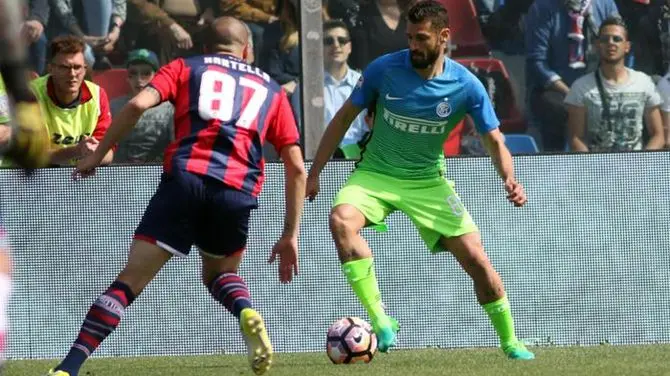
(431, 204)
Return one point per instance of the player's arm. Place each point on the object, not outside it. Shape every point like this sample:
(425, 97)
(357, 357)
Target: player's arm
(494, 142)
(333, 135)
(577, 127)
(284, 136)
(295, 178)
(363, 95)
(126, 120)
(487, 123)
(502, 160)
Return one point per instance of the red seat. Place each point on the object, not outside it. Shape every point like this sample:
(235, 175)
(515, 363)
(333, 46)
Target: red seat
(452, 146)
(114, 81)
(511, 118)
(467, 38)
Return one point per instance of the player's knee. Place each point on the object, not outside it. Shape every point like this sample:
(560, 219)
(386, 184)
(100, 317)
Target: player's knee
(342, 224)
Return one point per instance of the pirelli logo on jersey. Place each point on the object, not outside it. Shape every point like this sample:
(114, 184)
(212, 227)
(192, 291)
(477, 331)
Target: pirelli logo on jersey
(411, 125)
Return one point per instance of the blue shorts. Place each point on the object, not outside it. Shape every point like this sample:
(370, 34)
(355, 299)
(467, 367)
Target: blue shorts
(190, 209)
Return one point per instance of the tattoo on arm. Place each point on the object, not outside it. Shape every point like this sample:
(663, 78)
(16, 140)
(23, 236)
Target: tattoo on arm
(155, 95)
(153, 92)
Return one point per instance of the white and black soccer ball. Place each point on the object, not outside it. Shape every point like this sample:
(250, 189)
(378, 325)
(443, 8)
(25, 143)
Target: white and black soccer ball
(351, 340)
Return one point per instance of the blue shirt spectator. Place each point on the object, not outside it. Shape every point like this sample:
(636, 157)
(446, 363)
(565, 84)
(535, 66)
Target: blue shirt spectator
(335, 93)
(547, 44)
(339, 82)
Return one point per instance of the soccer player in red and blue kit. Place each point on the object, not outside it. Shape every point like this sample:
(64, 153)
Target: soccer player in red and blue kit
(213, 172)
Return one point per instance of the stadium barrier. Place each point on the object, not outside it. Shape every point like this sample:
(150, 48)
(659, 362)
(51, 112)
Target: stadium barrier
(587, 261)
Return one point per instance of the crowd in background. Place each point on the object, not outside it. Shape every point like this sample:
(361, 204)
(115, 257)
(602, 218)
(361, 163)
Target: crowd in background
(563, 105)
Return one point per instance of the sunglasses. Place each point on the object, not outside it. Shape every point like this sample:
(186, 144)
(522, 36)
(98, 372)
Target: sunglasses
(613, 38)
(329, 41)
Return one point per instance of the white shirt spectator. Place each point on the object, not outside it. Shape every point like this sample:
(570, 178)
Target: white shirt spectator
(335, 94)
(628, 102)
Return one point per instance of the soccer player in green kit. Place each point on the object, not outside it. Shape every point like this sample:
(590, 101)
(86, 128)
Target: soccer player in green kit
(420, 96)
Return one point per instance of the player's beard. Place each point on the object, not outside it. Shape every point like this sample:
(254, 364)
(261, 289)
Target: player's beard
(423, 60)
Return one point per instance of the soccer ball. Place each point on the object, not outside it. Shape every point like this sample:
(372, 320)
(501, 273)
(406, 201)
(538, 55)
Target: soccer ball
(351, 340)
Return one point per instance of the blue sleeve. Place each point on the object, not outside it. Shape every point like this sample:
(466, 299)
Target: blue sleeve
(538, 34)
(480, 107)
(367, 88)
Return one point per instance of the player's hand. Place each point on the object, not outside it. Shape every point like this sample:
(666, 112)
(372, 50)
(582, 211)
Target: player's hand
(515, 192)
(86, 166)
(312, 187)
(87, 146)
(287, 250)
(30, 143)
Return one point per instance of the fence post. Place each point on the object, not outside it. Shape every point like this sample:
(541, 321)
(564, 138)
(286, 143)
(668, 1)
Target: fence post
(311, 83)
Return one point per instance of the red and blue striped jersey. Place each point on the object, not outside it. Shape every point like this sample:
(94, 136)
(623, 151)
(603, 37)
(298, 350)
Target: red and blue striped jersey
(225, 109)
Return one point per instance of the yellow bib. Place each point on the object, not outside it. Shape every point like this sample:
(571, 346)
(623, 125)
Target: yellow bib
(67, 126)
(4, 104)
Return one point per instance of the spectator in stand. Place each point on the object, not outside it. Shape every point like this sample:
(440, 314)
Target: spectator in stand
(97, 22)
(33, 32)
(172, 28)
(155, 128)
(340, 81)
(76, 111)
(283, 58)
(559, 36)
(381, 29)
(609, 108)
(652, 46)
(258, 16)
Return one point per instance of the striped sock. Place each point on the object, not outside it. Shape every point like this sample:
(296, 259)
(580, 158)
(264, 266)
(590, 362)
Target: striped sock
(230, 290)
(101, 320)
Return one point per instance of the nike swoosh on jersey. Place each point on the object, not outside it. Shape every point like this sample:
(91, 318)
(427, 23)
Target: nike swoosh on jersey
(390, 98)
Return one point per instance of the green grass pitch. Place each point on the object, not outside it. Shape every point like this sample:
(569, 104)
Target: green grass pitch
(648, 360)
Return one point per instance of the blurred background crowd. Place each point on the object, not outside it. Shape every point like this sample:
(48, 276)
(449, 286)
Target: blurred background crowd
(535, 58)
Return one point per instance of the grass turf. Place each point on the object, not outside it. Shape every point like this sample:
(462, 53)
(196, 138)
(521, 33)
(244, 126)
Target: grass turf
(608, 360)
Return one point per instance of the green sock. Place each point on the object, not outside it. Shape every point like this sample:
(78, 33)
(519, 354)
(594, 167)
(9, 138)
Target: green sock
(361, 276)
(501, 317)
